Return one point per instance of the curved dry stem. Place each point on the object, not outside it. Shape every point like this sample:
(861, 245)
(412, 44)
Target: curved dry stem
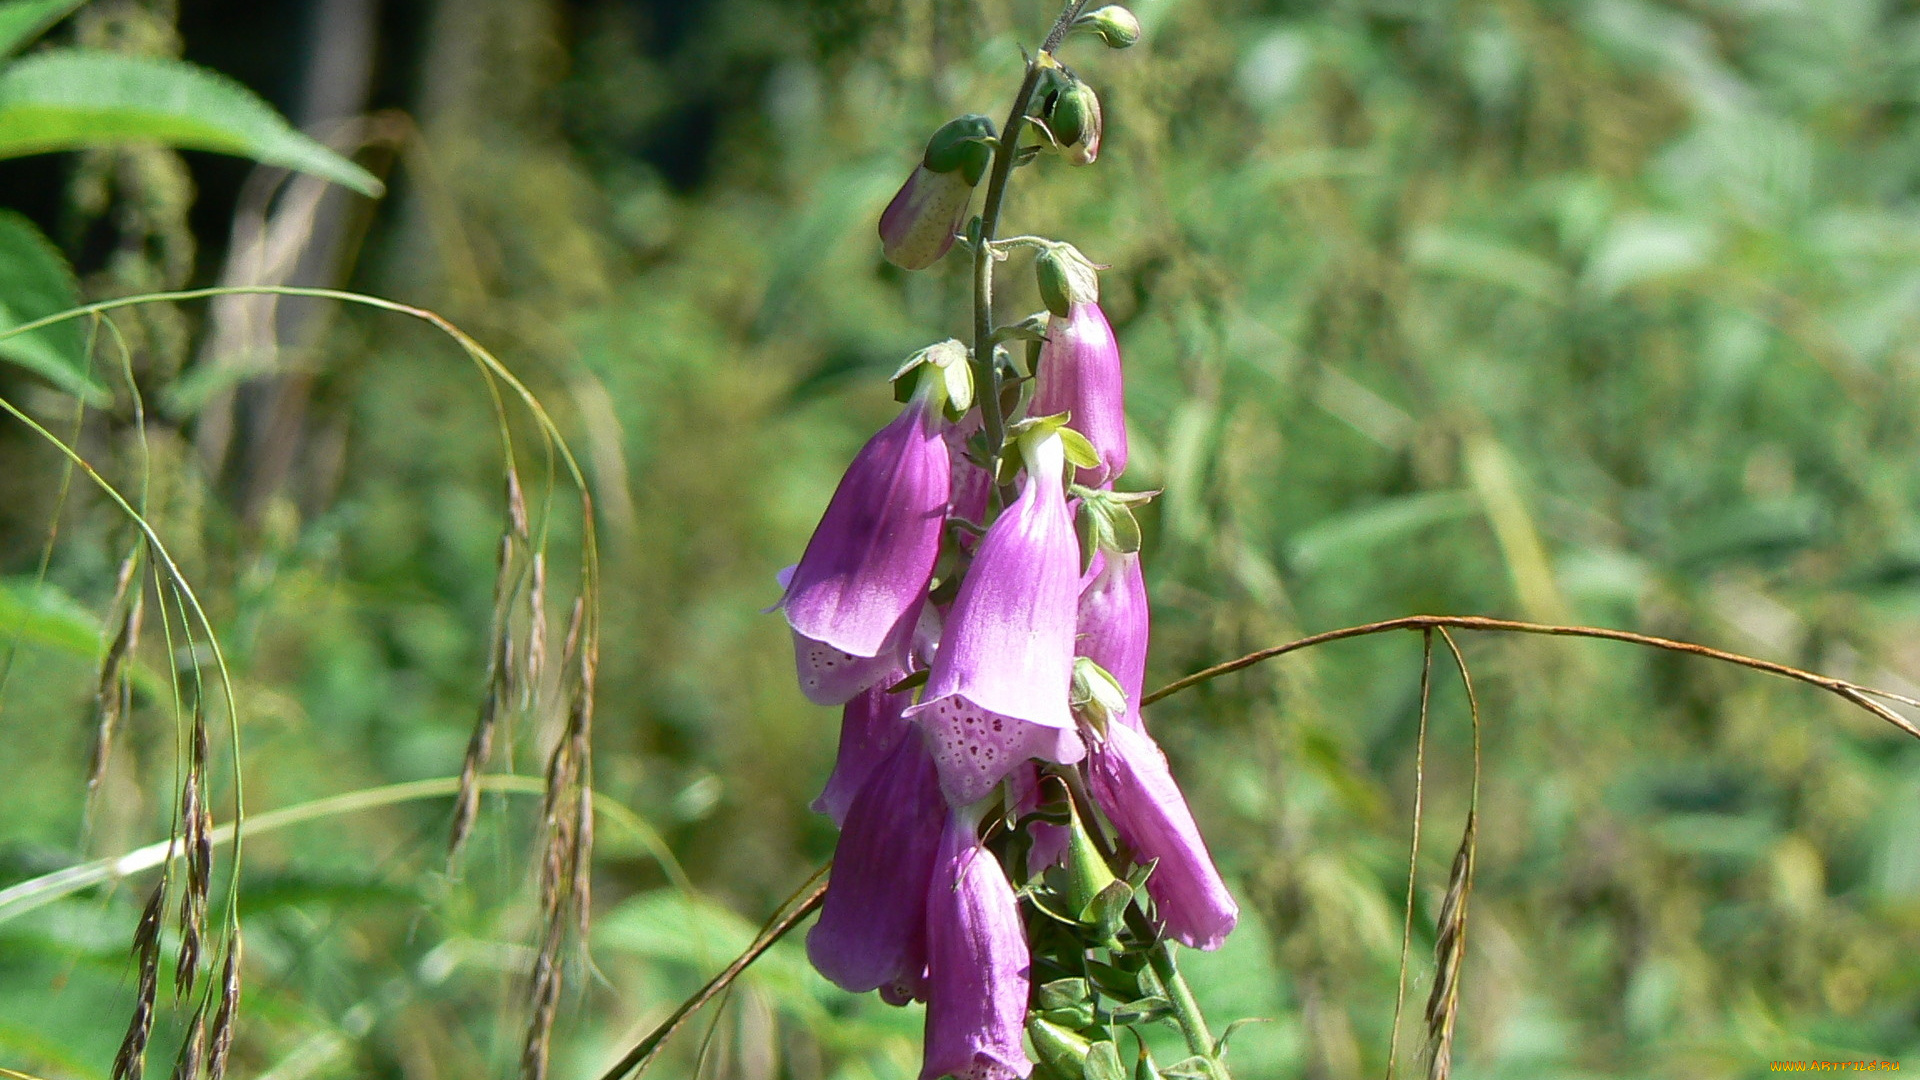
(798, 906)
(1862, 696)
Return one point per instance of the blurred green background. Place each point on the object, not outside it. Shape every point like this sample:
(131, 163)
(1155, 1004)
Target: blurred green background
(1571, 310)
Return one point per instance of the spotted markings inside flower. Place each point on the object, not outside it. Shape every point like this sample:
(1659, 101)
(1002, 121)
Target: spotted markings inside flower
(975, 749)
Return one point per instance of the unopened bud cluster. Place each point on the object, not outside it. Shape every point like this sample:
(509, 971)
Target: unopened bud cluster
(975, 653)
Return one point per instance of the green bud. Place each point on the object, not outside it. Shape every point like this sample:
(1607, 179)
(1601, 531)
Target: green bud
(1117, 26)
(961, 145)
(1062, 1050)
(1065, 278)
(1074, 119)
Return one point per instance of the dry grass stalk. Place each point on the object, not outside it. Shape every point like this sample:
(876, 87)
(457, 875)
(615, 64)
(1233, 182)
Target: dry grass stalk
(1450, 953)
(220, 1036)
(131, 1060)
(113, 693)
(500, 677)
(536, 635)
(566, 859)
(196, 825)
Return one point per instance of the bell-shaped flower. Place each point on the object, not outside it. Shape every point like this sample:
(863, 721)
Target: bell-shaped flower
(870, 727)
(978, 965)
(1079, 374)
(872, 932)
(1113, 624)
(997, 694)
(920, 224)
(856, 593)
(1128, 777)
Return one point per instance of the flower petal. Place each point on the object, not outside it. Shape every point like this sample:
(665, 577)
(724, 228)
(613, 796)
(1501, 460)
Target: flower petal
(870, 727)
(974, 749)
(870, 558)
(1114, 624)
(977, 966)
(872, 927)
(1129, 778)
(1080, 374)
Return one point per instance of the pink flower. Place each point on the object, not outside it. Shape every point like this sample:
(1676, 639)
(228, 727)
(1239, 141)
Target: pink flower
(1129, 778)
(855, 595)
(1079, 374)
(1113, 624)
(977, 965)
(872, 932)
(997, 694)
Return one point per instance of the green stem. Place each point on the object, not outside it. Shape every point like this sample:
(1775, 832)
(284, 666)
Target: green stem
(1186, 1011)
(986, 371)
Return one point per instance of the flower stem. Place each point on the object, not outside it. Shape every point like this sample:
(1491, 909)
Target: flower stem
(1186, 1011)
(986, 368)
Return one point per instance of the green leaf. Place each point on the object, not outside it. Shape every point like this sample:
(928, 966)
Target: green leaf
(69, 99)
(34, 283)
(23, 20)
(40, 613)
(1103, 1062)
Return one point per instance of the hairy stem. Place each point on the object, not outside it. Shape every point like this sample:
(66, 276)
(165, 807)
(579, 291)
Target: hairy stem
(986, 369)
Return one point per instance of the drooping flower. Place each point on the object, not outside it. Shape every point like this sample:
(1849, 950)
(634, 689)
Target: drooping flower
(856, 593)
(978, 965)
(997, 694)
(1129, 778)
(872, 932)
(1113, 624)
(870, 727)
(1080, 374)
(920, 224)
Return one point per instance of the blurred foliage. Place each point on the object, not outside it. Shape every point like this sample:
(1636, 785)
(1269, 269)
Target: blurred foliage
(1589, 310)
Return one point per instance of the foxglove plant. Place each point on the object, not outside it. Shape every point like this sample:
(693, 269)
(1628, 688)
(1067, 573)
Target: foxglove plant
(973, 596)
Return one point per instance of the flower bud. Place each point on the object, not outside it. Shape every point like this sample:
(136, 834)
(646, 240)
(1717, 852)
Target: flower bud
(919, 225)
(1116, 25)
(1073, 115)
(1065, 278)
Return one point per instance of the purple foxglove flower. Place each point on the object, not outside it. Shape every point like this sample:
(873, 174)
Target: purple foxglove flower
(1129, 779)
(870, 727)
(1080, 374)
(977, 965)
(1113, 624)
(872, 932)
(855, 595)
(997, 694)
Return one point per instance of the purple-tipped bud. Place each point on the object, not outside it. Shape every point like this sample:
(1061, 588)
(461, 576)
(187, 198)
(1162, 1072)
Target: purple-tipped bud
(919, 225)
(872, 932)
(870, 727)
(1129, 778)
(1080, 375)
(1113, 624)
(997, 694)
(853, 599)
(977, 966)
